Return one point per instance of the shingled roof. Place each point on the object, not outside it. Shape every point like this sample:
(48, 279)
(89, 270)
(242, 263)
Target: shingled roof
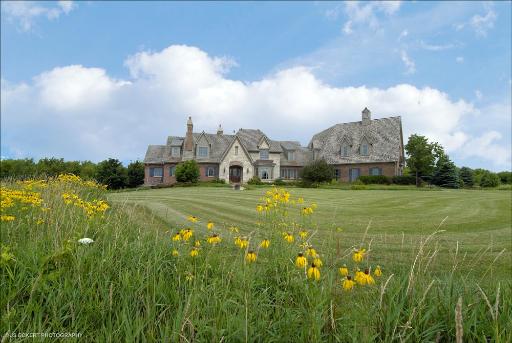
(383, 135)
(302, 155)
(250, 138)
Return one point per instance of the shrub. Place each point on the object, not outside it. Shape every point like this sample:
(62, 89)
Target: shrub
(135, 173)
(279, 182)
(404, 180)
(375, 179)
(317, 171)
(187, 172)
(358, 185)
(255, 180)
(505, 177)
(467, 177)
(111, 173)
(489, 180)
(217, 180)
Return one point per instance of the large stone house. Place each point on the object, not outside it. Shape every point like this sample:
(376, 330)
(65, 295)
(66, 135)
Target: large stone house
(366, 147)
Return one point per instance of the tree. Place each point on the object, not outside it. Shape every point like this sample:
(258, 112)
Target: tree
(466, 175)
(421, 158)
(17, 168)
(111, 173)
(135, 173)
(317, 171)
(51, 166)
(505, 177)
(187, 171)
(87, 170)
(446, 174)
(489, 180)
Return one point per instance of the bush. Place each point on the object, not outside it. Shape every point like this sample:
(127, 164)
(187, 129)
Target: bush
(317, 171)
(358, 185)
(111, 173)
(135, 173)
(255, 180)
(505, 177)
(187, 172)
(375, 179)
(403, 180)
(279, 182)
(217, 180)
(489, 180)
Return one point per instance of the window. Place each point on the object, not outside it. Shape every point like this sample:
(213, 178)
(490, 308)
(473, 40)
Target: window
(288, 173)
(364, 149)
(202, 151)
(176, 151)
(156, 172)
(354, 174)
(291, 155)
(236, 149)
(375, 171)
(210, 171)
(172, 170)
(336, 174)
(264, 154)
(264, 173)
(345, 150)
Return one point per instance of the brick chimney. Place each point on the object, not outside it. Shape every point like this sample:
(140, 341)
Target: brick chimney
(366, 117)
(219, 130)
(188, 144)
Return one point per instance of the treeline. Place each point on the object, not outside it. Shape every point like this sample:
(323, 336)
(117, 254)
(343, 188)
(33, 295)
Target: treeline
(110, 172)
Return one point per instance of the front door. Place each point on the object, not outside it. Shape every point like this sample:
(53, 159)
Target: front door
(235, 174)
(354, 174)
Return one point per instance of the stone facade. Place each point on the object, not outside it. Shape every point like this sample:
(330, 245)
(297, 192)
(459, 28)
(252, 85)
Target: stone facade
(367, 147)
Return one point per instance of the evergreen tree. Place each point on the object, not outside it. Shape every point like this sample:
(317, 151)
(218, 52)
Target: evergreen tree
(135, 173)
(447, 175)
(466, 175)
(111, 173)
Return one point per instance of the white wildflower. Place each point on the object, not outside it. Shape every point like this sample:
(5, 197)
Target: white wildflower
(85, 241)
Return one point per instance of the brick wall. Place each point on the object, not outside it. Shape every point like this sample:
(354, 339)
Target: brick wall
(168, 180)
(388, 169)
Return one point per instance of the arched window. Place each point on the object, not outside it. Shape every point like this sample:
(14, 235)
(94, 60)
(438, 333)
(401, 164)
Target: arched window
(210, 172)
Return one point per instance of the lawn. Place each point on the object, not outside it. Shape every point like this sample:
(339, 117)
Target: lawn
(476, 222)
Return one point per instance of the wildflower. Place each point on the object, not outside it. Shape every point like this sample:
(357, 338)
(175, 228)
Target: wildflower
(6, 218)
(300, 200)
(241, 242)
(194, 252)
(359, 255)
(214, 239)
(307, 210)
(233, 229)
(310, 251)
(259, 208)
(251, 256)
(40, 221)
(303, 234)
(176, 237)
(318, 262)
(85, 241)
(288, 237)
(265, 243)
(6, 256)
(301, 260)
(348, 283)
(378, 271)
(186, 234)
(175, 253)
(189, 276)
(210, 225)
(313, 272)
(197, 244)
(368, 277)
(360, 278)
(192, 219)
(344, 270)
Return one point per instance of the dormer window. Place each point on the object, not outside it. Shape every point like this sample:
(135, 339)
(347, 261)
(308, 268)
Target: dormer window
(345, 150)
(363, 150)
(175, 151)
(202, 151)
(291, 156)
(264, 154)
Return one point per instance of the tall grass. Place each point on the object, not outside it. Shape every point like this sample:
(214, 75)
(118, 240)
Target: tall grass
(128, 286)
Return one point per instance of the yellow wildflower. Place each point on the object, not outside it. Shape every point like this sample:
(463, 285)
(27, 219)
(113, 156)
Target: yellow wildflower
(301, 260)
(344, 270)
(265, 243)
(241, 242)
(194, 252)
(310, 251)
(233, 229)
(175, 253)
(348, 283)
(192, 219)
(313, 272)
(197, 244)
(360, 278)
(210, 225)
(189, 276)
(288, 237)
(359, 255)
(186, 234)
(378, 271)
(251, 256)
(6, 218)
(259, 208)
(318, 262)
(214, 239)
(176, 237)
(369, 277)
(303, 234)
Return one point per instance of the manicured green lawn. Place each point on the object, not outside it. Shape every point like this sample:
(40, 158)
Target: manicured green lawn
(478, 222)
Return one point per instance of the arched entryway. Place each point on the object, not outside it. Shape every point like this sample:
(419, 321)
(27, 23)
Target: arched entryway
(235, 174)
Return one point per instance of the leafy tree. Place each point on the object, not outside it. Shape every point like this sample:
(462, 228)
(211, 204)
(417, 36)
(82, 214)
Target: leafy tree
(51, 166)
(466, 175)
(187, 171)
(317, 171)
(505, 177)
(421, 158)
(87, 170)
(135, 173)
(111, 173)
(446, 174)
(489, 180)
(17, 168)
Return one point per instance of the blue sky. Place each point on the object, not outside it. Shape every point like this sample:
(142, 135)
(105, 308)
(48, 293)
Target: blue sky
(90, 80)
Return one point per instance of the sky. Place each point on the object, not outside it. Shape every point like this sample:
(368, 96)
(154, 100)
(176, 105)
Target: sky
(93, 80)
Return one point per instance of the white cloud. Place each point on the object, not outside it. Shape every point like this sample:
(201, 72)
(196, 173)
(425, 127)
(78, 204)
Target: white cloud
(25, 13)
(459, 59)
(367, 13)
(408, 62)
(481, 24)
(82, 113)
(488, 147)
(478, 95)
(438, 47)
(403, 34)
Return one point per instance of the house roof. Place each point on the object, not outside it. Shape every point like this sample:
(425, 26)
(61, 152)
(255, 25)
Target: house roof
(250, 138)
(302, 155)
(383, 135)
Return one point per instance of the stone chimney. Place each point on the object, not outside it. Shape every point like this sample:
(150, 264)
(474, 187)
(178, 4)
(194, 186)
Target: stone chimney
(219, 130)
(188, 144)
(366, 117)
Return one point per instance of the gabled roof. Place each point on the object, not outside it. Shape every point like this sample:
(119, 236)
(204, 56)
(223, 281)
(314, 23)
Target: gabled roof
(250, 138)
(302, 155)
(384, 135)
(235, 138)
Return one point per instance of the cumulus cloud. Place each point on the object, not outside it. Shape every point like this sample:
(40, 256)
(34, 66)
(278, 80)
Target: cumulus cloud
(367, 13)
(82, 113)
(25, 13)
